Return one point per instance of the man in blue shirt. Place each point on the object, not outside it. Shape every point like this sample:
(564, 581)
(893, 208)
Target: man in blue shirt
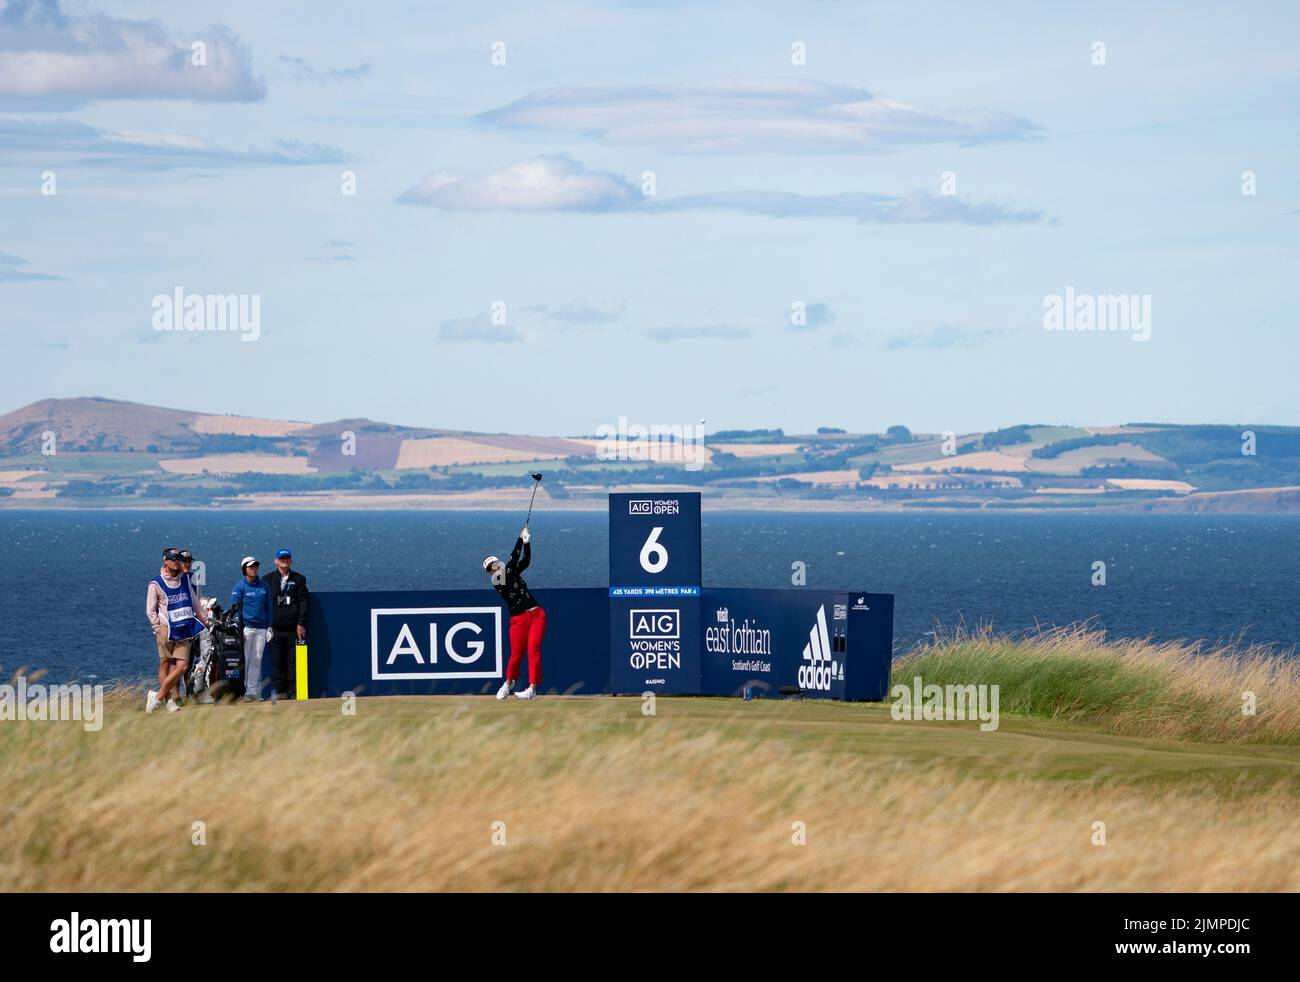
(255, 596)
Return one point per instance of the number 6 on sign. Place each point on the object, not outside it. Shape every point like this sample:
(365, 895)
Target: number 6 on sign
(654, 557)
(654, 541)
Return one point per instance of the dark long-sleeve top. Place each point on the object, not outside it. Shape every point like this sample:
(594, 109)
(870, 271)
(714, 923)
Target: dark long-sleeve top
(288, 603)
(515, 591)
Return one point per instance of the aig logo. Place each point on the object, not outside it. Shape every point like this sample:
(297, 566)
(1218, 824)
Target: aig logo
(645, 625)
(435, 643)
(648, 506)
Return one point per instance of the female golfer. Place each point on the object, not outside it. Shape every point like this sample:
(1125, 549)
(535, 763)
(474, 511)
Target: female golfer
(527, 619)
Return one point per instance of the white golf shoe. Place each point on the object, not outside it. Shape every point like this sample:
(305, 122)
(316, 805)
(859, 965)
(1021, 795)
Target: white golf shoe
(507, 687)
(151, 701)
(528, 693)
(173, 706)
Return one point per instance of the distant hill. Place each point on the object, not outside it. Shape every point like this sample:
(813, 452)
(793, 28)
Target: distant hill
(95, 424)
(124, 454)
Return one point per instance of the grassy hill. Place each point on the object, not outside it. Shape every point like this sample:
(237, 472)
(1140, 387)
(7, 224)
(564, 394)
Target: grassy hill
(94, 424)
(590, 793)
(126, 454)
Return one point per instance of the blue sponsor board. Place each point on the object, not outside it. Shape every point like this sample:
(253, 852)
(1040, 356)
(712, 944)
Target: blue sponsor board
(448, 641)
(654, 540)
(831, 645)
(654, 644)
(871, 645)
(814, 640)
(653, 629)
(460, 643)
(654, 590)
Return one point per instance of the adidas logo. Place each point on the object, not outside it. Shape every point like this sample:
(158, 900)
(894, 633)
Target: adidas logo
(819, 668)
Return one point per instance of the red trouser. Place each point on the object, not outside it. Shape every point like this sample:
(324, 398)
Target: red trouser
(526, 631)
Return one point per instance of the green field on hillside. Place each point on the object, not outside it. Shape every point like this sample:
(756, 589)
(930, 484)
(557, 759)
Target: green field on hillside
(1050, 434)
(91, 465)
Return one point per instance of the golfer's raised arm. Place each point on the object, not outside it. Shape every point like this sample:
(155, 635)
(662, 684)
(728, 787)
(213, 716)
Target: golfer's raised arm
(521, 555)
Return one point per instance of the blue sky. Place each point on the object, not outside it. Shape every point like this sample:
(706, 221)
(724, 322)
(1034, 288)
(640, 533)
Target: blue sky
(521, 185)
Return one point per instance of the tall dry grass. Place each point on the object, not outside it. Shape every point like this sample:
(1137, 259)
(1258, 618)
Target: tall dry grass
(593, 796)
(1172, 690)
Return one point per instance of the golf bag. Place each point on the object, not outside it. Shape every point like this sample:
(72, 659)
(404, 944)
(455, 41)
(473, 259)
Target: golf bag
(223, 662)
(198, 677)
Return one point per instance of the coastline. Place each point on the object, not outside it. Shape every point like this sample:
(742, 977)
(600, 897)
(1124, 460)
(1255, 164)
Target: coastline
(1221, 505)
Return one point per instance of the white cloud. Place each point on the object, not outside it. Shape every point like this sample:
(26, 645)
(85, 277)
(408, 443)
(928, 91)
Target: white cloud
(12, 271)
(687, 333)
(944, 336)
(477, 328)
(552, 182)
(304, 72)
(815, 315)
(915, 207)
(557, 182)
(579, 313)
(772, 115)
(42, 140)
(50, 60)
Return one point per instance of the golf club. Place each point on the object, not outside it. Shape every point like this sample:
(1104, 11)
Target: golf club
(537, 479)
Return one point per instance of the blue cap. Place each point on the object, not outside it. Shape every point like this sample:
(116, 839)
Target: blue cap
(283, 554)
